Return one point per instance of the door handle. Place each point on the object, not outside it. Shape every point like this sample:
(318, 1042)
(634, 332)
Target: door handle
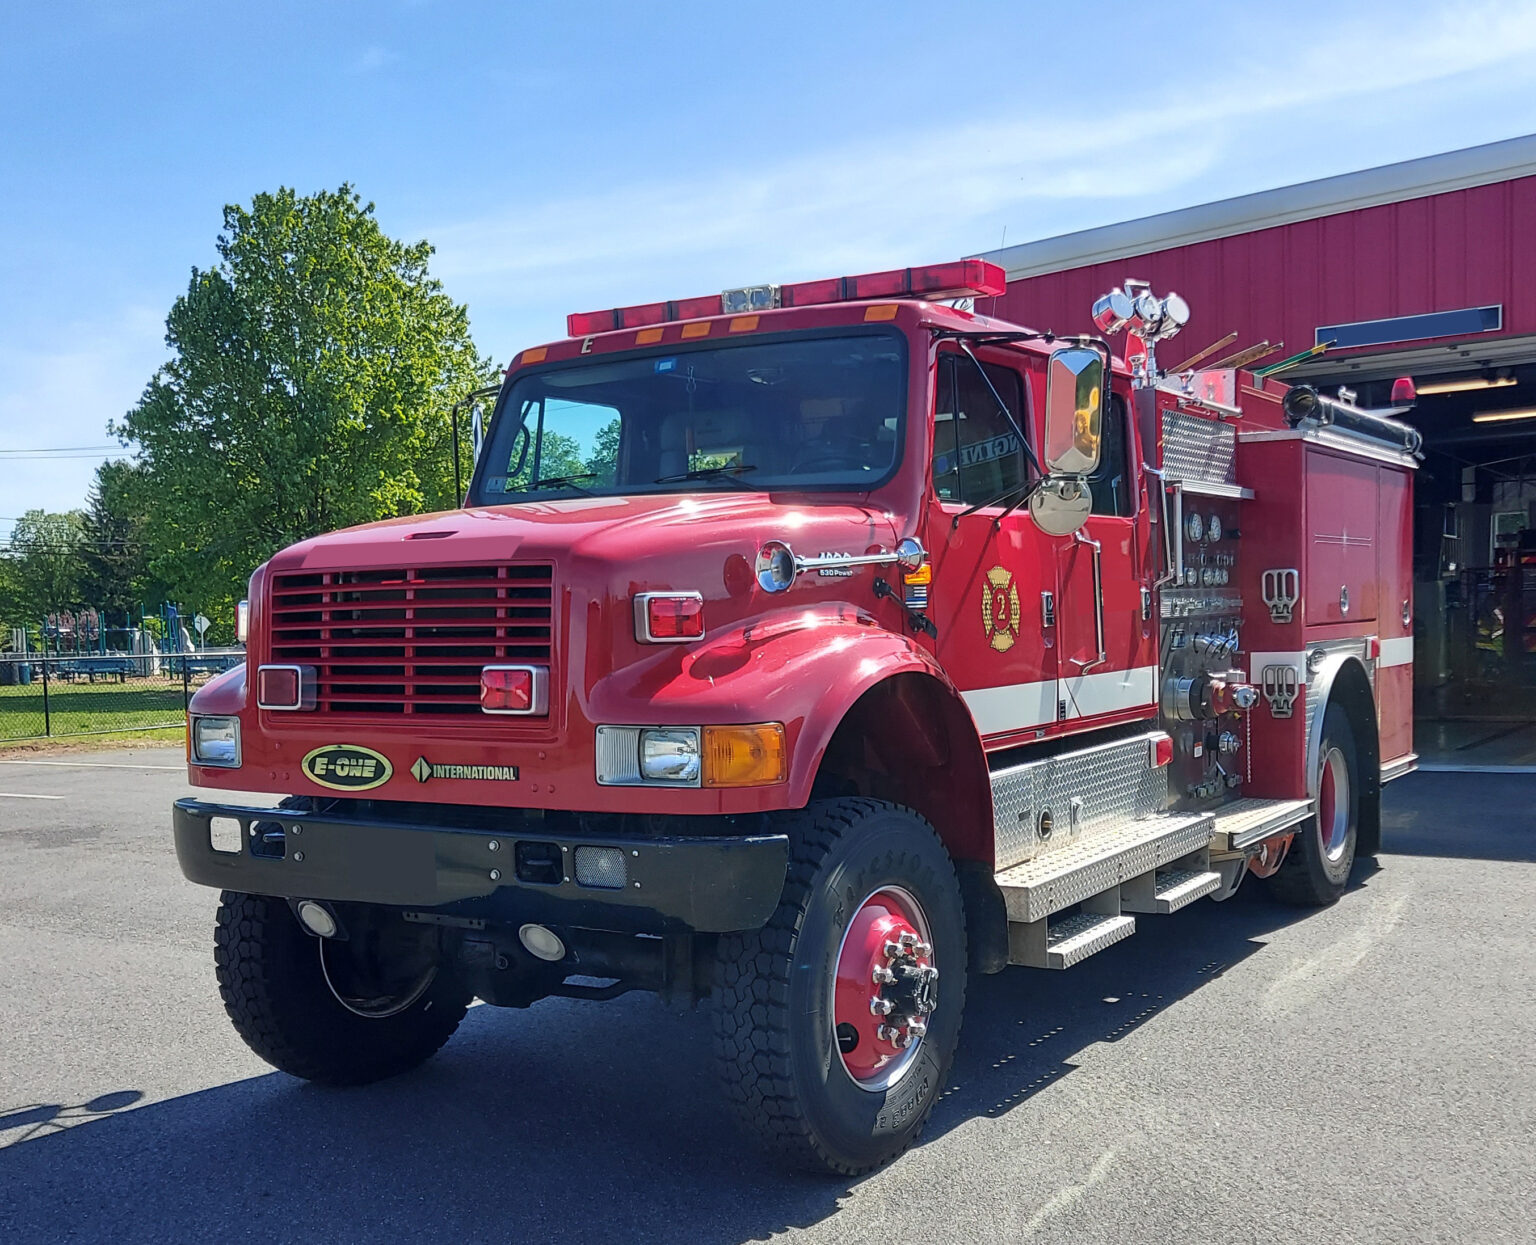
(1098, 601)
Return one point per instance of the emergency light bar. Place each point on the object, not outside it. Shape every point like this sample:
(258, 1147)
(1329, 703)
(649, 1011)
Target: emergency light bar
(964, 278)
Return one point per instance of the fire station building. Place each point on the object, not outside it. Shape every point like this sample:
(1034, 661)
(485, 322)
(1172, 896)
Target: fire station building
(1424, 269)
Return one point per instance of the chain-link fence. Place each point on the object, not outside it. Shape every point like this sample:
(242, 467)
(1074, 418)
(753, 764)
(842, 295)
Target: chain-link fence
(94, 693)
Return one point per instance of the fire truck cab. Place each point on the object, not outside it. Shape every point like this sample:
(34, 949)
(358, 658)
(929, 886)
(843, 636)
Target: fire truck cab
(802, 649)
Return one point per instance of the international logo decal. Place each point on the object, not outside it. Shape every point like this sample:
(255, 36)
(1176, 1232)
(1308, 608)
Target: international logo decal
(347, 767)
(425, 770)
(1000, 609)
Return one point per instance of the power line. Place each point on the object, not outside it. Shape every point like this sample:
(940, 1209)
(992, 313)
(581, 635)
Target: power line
(59, 449)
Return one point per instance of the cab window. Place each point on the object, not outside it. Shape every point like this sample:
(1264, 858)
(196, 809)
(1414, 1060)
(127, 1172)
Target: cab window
(977, 454)
(1113, 483)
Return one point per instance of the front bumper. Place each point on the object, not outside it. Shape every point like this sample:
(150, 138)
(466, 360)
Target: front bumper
(710, 884)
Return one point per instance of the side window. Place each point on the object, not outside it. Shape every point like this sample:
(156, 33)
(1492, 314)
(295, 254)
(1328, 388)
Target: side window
(977, 455)
(1113, 484)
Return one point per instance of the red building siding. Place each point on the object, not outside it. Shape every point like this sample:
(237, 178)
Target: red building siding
(1466, 248)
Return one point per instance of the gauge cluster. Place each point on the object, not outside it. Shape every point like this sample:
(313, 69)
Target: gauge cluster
(1201, 618)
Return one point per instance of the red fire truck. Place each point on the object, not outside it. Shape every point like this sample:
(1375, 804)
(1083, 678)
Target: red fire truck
(801, 649)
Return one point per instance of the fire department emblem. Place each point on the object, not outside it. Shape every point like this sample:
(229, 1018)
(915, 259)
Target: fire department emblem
(1000, 609)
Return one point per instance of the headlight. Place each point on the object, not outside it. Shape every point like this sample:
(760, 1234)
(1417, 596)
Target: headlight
(670, 755)
(216, 741)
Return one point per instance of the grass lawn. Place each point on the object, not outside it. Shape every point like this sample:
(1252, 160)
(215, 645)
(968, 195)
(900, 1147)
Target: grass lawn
(103, 706)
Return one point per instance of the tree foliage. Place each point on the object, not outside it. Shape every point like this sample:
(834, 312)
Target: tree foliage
(45, 571)
(115, 576)
(313, 368)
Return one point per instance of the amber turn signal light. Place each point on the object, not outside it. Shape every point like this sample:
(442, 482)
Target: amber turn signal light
(744, 756)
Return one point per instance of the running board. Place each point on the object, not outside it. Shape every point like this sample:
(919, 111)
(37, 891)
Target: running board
(1063, 943)
(1168, 890)
(1245, 823)
(1058, 879)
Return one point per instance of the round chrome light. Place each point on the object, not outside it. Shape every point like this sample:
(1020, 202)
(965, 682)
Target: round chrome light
(775, 567)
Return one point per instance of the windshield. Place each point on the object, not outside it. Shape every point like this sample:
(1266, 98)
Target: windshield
(803, 413)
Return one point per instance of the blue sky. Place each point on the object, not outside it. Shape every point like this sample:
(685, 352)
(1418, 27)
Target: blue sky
(572, 156)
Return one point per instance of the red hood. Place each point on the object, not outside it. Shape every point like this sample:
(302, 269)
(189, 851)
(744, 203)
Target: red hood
(624, 529)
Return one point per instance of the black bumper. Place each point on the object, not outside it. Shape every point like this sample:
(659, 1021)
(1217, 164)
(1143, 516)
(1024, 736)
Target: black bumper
(708, 884)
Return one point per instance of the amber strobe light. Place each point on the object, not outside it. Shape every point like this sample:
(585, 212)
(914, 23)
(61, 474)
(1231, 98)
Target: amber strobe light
(744, 756)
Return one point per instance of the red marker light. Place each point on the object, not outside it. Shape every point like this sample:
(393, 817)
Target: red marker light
(514, 689)
(285, 688)
(1403, 392)
(1162, 751)
(668, 617)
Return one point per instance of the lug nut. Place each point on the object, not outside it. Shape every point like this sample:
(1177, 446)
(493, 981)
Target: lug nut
(890, 950)
(916, 1028)
(922, 950)
(907, 939)
(883, 976)
(881, 1007)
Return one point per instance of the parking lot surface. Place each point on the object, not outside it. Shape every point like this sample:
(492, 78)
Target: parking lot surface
(1238, 1072)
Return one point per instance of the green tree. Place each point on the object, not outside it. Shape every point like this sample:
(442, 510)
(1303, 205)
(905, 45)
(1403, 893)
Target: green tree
(47, 567)
(114, 555)
(604, 459)
(309, 389)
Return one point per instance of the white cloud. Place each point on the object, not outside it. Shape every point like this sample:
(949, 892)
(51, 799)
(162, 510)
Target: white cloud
(928, 191)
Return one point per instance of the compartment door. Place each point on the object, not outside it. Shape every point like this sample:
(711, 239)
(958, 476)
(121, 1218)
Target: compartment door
(1340, 578)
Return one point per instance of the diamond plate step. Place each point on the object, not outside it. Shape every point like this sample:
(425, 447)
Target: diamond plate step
(1058, 879)
(1168, 890)
(1067, 941)
(1246, 822)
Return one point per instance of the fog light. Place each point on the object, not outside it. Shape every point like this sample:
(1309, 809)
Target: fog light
(544, 943)
(216, 741)
(670, 755)
(602, 867)
(316, 918)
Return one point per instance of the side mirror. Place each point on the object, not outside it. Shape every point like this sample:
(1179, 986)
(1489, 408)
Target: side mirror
(476, 433)
(1061, 505)
(1074, 409)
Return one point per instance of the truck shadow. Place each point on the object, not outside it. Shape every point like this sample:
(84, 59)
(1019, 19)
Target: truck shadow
(568, 1122)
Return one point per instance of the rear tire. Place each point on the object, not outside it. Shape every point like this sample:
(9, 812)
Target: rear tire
(276, 990)
(797, 1044)
(1316, 869)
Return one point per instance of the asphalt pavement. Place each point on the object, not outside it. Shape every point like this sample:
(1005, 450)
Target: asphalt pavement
(1237, 1072)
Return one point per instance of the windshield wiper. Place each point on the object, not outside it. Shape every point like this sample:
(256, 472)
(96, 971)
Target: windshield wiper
(569, 481)
(728, 473)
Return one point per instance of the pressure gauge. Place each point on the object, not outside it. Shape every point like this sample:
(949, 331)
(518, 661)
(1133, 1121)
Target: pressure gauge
(1221, 577)
(1213, 528)
(1191, 576)
(1193, 527)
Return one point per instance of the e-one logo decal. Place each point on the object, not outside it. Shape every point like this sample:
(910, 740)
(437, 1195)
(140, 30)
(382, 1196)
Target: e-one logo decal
(425, 769)
(347, 767)
(1000, 609)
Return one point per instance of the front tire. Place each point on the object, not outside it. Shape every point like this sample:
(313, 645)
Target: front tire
(1316, 869)
(339, 1013)
(836, 1023)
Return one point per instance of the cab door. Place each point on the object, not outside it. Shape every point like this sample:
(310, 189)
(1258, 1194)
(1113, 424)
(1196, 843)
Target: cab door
(993, 597)
(1108, 649)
